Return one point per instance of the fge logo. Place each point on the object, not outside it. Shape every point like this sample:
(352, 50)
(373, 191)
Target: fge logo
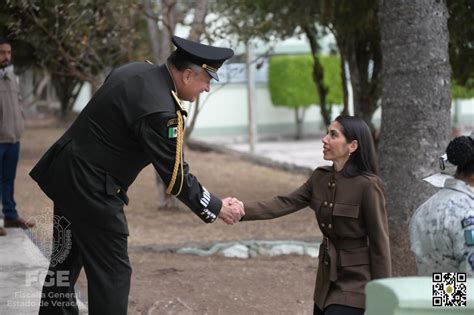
(59, 278)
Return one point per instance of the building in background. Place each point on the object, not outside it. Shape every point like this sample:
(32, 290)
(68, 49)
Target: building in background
(225, 111)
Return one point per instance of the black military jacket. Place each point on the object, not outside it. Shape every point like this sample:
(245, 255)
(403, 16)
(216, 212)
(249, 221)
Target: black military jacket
(126, 125)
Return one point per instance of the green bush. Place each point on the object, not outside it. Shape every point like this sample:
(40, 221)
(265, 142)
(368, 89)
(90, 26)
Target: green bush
(291, 84)
(462, 92)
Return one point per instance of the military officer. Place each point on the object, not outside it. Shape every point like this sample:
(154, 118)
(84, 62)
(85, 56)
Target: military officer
(134, 119)
(442, 228)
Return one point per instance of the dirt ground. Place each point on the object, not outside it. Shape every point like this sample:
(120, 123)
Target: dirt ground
(167, 283)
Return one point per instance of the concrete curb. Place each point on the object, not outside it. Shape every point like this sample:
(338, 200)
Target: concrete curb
(239, 249)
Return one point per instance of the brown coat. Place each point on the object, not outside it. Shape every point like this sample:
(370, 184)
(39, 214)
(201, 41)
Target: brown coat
(352, 217)
(11, 114)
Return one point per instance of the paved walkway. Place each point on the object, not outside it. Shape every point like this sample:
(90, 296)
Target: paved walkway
(305, 153)
(22, 271)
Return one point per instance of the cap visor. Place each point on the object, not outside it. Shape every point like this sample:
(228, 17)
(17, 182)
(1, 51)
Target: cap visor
(213, 75)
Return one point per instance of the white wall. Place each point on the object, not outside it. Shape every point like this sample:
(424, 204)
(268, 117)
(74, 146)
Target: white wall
(83, 97)
(226, 111)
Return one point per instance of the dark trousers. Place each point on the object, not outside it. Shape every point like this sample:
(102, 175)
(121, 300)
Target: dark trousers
(104, 256)
(9, 153)
(336, 309)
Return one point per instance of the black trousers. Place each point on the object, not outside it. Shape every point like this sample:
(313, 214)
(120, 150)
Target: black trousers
(336, 309)
(104, 256)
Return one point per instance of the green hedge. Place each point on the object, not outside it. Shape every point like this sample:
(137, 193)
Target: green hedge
(291, 83)
(462, 92)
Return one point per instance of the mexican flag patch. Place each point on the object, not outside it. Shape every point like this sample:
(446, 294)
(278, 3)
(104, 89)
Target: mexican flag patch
(172, 132)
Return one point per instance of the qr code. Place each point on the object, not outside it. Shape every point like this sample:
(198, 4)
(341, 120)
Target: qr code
(449, 289)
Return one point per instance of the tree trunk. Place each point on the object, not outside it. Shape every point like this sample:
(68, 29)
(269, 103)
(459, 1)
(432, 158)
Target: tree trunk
(359, 46)
(197, 29)
(96, 83)
(168, 17)
(31, 98)
(198, 26)
(169, 23)
(318, 77)
(299, 119)
(153, 30)
(343, 48)
(318, 72)
(67, 89)
(365, 63)
(345, 93)
(416, 110)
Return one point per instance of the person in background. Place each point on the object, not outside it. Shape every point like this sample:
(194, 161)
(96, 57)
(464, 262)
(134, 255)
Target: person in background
(349, 204)
(11, 128)
(442, 228)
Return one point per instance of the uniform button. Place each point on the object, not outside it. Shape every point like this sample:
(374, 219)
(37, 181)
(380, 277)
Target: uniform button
(331, 204)
(329, 184)
(326, 263)
(118, 190)
(329, 225)
(323, 225)
(325, 203)
(333, 184)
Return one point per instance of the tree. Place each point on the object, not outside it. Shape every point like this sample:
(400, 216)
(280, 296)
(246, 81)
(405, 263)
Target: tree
(356, 29)
(461, 41)
(76, 41)
(291, 85)
(354, 25)
(416, 110)
(278, 19)
(461, 91)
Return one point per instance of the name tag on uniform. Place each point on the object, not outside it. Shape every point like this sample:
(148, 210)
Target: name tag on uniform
(172, 132)
(467, 222)
(469, 236)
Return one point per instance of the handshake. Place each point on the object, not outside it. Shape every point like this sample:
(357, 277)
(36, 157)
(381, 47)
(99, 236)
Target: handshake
(232, 210)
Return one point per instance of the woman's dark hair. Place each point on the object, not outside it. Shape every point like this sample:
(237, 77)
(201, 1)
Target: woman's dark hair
(363, 160)
(460, 152)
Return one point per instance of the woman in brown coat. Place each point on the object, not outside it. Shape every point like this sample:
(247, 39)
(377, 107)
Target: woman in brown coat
(348, 200)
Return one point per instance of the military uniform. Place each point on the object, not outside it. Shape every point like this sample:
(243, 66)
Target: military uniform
(352, 217)
(134, 119)
(442, 230)
(129, 123)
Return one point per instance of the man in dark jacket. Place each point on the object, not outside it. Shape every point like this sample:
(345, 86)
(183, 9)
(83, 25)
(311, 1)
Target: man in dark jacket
(134, 119)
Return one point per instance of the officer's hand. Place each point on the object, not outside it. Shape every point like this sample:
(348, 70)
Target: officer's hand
(232, 210)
